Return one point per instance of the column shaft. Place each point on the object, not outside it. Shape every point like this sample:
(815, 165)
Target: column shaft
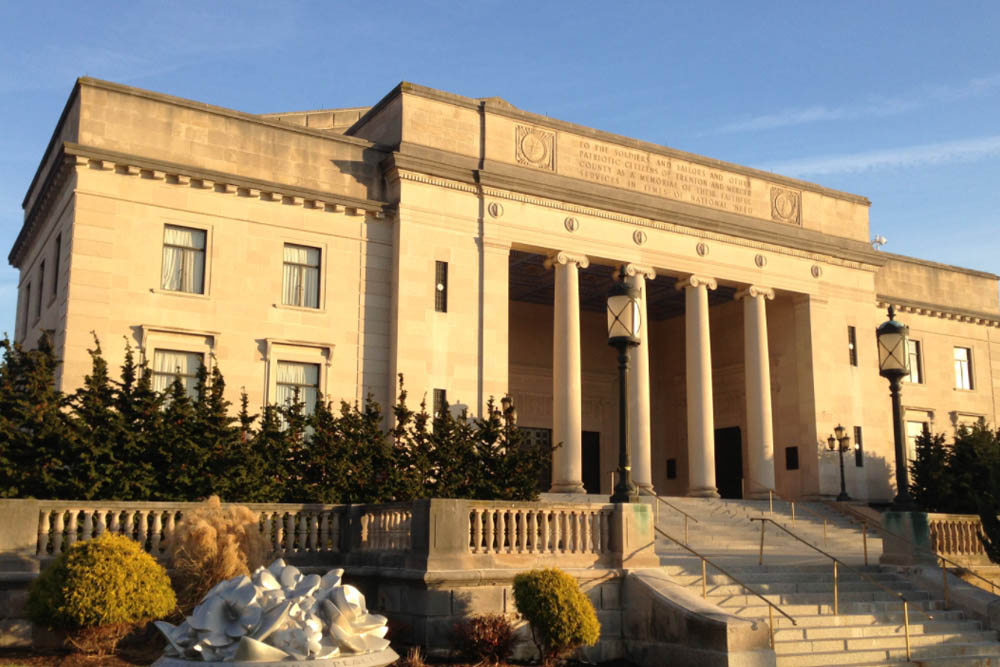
(639, 410)
(700, 408)
(760, 434)
(567, 392)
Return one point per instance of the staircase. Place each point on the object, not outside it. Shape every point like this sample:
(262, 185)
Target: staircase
(869, 628)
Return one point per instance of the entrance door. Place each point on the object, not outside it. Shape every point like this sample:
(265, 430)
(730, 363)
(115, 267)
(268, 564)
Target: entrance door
(592, 461)
(729, 462)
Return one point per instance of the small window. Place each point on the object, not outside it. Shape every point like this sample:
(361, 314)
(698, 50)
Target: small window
(298, 377)
(916, 375)
(914, 429)
(55, 267)
(441, 287)
(27, 306)
(852, 344)
(183, 260)
(300, 281)
(671, 468)
(41, 289)
(440, 400)
(791, 458)
(170, 364)
(859, 448)
(963, 368)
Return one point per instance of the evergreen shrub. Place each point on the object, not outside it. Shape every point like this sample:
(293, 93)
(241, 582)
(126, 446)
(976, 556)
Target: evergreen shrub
(562, 618)
(108, 583)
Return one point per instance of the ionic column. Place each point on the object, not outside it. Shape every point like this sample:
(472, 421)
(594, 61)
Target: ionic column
(760, 435)
(567, 392)
(638, 394)
(700, 409)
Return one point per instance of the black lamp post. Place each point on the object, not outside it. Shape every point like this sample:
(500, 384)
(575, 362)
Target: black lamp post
(623, 333)
(893, 364)
(842, 443)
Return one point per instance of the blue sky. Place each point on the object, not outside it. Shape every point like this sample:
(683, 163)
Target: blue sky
(896, 101)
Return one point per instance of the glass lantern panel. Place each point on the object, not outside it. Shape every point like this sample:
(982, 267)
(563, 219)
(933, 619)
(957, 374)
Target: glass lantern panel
(623, 317)
(892, 352)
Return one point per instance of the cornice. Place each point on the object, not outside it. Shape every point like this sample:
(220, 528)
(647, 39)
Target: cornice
(75, 155)
(50, 189)
(936, 310)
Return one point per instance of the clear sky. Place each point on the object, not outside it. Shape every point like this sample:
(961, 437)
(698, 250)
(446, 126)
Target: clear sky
(896, 101)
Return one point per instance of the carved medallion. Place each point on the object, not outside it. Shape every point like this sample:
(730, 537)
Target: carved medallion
(495, 209)
(571, 224)
(535, 147)
(760, 261)
(701, 249)
(639, 237)
(786, 205)
(816, 271)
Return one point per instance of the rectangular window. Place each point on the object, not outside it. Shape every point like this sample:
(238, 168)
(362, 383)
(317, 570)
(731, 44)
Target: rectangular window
(852, 344)
(27, 307)
(183, 260)
(23, 308)
(55, 266)
(791, 458)
(963, 368)
(440, 400)
(294, 376)
(916, 375)
(914, 429)
(41, 289)
(671, 468)
(859, 448)
(441, 287)
(171, 364)
(300, 281)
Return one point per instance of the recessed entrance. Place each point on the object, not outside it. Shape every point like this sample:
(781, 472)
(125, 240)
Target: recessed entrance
(729, 462)
(592, 461)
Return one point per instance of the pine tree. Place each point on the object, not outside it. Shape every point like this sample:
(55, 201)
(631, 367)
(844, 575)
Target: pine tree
(140, 408)
(178, 454)
(930, 479)
(218, 432)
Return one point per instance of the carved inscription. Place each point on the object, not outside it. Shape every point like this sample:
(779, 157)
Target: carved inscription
(662, 176)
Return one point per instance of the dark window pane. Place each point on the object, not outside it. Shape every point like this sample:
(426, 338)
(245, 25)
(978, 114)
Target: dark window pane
(671, 468)
(791, 458)
(859, 448)
(441, 287)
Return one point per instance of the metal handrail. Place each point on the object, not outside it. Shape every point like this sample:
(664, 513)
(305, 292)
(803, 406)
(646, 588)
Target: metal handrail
(772, 494)
(671, 506)
(865, 521)
(704, 584)
(836, 563)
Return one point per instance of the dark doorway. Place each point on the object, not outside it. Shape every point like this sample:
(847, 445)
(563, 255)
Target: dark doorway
(729, 462)
(592, 461)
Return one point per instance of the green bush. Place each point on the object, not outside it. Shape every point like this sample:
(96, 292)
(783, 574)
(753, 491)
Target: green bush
(488, 638)
(107, 581)
(562, 618)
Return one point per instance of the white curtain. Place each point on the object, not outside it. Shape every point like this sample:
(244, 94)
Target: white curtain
(301, 276)
(303, 377)
(168, 364)
(291, 282)
(183, 259)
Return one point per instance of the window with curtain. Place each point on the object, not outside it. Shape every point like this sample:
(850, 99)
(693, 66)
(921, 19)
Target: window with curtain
(916, 375)
(183, 260)
(292, 377)
(170, 364)
(963, 368)
(300, 281)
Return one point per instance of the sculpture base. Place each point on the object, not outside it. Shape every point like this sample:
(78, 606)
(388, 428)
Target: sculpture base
(378, 659)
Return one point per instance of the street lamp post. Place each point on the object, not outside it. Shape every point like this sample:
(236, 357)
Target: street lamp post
(893, 364)
(623, 333)
(842, 443)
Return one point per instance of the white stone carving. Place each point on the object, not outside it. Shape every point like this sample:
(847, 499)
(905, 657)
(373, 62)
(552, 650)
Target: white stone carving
(277, 614)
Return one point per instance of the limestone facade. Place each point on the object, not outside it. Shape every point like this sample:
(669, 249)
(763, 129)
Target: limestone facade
(469, 246)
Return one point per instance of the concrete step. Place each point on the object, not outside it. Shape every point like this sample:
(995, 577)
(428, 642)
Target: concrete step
(826, 631)
(789, 587)
(786, 599)
(884, 656)
(889, 619)
(877, 609)
(882, 642)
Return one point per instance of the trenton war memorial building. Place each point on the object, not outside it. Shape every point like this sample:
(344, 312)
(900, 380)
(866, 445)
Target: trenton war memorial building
(470, 246)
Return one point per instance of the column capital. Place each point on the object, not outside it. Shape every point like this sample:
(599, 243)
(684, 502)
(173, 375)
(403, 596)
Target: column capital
(696, 281)
(639, 270)
(755, 291)
(563, 257)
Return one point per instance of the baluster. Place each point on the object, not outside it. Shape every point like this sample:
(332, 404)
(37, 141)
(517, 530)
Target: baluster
(596, 528)
(335, 531)
(383, 531)
(313, 532)
(171, 523)
(324, 531)
(155, 538)
(605, 518)
(520, 521)
(57, 532)
(397, 536)
(365, 520)
(265, 529)
(501, 529)
(42, 546)
(588, 518)
(531, 537)
(408, 527)
(99, 519)
(88, 524)
(278, 531)
(143, 527)
(475, 530)
(290, 533)
(71, 527)
(114, 525)
(303, 532)
(488, 526)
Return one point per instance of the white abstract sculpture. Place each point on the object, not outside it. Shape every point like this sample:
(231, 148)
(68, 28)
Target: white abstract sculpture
(277, 614)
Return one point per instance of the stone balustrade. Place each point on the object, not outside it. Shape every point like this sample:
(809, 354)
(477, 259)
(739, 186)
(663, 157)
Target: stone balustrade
(528, 528)
(956, 536)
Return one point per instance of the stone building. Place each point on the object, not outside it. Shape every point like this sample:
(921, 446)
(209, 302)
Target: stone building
(470, 245)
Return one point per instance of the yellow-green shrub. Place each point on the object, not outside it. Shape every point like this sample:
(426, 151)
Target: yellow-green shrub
(106, 581)
(562, 618)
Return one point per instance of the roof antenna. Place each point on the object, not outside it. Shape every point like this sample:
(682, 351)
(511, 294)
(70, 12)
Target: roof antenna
(878, 242)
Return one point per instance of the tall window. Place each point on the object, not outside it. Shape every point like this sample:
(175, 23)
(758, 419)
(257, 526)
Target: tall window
(440, 399)
(963, 368)
(441, 287)
(859, 448)
(27, 307)
(171, 364)
(183, 260)
(916, 375)
(300, 281)
(41, 289)
(298, 377)
(852, 344)
(55, 266)
(914, 429)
